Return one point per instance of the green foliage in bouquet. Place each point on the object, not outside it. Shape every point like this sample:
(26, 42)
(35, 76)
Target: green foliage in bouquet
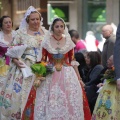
(109, 75)
(42, 68)
(39, 69)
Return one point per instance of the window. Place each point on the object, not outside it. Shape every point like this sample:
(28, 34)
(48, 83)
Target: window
(96, 11)
(24, 4)
(56, 10)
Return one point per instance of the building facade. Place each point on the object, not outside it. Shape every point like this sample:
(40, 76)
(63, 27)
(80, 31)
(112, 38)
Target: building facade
(82, 15)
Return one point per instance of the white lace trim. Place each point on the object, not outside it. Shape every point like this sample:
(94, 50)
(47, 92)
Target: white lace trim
(47, 45)
(2, 36)
(23, 23)
(59, 99)
(24, 30)
(31, 41)
(73, 63)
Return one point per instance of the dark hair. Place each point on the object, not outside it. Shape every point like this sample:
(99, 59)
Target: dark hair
(27, 18)
(16, 28)
(80, 58)
(56, 20)
(82, 68)
(1, 20)
(74, 33)
(95, 58)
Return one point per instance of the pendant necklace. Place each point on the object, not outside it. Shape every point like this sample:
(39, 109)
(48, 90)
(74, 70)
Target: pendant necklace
(58, 40)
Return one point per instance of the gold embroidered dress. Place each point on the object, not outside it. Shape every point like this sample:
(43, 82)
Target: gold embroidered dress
(17, 88)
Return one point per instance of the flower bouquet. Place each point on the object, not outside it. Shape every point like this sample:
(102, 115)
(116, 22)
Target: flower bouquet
(41, 70)
(16, 52)
(109, 75)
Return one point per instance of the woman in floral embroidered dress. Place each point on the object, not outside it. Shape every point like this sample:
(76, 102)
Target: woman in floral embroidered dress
(107, 106)
(30, 33)
(60, 96)
(6, 38)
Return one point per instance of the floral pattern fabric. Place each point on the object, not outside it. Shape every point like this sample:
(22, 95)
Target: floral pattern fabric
(4, 65)
(108, 103)
(17, 89)
(59, 97)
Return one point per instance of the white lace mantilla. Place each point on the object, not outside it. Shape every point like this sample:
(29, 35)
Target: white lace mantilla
(47, 45)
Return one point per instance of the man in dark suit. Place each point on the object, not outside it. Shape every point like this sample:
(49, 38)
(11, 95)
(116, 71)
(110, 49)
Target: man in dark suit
(108, 48)
(117, 57)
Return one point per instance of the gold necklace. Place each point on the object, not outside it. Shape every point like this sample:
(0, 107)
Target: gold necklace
(58, 40)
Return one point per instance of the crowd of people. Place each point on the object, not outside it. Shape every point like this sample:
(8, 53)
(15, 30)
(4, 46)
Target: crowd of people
(76, 89)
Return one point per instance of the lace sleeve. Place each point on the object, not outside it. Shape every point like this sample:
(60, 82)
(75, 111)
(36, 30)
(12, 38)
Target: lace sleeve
(73, 63)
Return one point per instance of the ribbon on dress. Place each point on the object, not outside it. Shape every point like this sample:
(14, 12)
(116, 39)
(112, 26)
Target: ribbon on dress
(3, 50)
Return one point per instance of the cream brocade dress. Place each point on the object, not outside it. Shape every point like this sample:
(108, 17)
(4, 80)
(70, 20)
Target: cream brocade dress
(4, 68)
(17, 88)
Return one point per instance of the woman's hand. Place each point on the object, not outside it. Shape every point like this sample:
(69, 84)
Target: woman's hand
(82, 83)
(18, 63)
(118, 84)
(100, 85)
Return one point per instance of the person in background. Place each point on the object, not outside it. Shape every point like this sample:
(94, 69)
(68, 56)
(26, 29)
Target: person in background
(6, 39)
(110, 65)
(108, 48)
(101, 43)
(83, 70)
(30, 33)
(117, 57)
(91, 42)
(80, 44)
(92, 91)
(93, 61)
(107, 106)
